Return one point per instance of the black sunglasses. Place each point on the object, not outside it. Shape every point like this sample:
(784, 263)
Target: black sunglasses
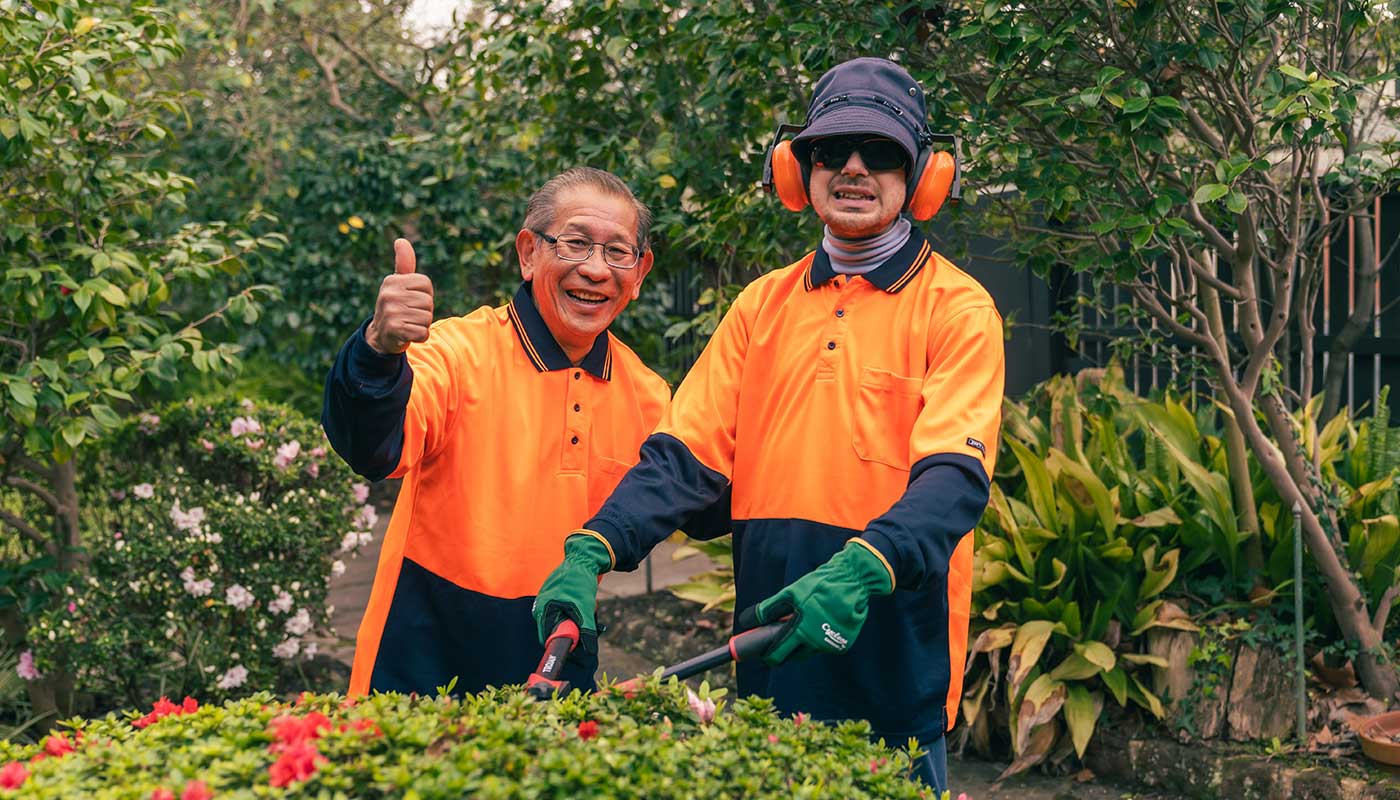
(878, 154)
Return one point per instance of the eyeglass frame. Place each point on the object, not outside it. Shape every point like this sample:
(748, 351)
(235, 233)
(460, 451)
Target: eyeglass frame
(859, 142)
(637, 252)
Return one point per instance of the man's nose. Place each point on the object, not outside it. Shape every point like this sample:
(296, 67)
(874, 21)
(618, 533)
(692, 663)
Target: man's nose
(855, 165)
(595, 268)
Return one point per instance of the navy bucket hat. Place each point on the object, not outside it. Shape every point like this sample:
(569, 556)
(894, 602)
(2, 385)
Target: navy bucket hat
(866, 96)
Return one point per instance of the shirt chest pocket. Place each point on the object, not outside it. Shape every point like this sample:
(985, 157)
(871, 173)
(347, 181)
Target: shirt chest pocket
(604, 474)
(883, 414)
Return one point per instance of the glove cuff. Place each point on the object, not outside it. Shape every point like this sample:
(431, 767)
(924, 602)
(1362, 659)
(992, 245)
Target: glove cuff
(588, 549)
(867, 566)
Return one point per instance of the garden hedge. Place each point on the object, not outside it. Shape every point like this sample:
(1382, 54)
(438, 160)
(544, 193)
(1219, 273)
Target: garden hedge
(660, 741)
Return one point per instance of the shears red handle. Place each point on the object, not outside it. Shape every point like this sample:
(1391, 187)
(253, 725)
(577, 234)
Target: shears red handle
(545, 682)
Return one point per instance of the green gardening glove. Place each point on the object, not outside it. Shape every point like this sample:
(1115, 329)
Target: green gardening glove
(571, 590)
(826, 607)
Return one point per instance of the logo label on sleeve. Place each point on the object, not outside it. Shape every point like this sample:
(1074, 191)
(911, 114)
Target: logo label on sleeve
(973, 443)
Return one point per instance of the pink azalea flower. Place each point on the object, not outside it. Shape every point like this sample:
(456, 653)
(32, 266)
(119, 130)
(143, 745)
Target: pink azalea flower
(242, 425)
(26, 669)
(196, 790)
(704, 709)
(286, 453)
(143, 490)
(207, 445)
(361, 491)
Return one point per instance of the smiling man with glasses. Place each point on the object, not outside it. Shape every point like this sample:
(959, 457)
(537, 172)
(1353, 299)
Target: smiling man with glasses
(509, 426)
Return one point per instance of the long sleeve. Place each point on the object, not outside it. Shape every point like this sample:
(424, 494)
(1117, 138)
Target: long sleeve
(683, 476)
(952, 450)
(366, 399)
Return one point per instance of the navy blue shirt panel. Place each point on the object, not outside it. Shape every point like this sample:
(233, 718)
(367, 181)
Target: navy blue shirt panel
(364, 405)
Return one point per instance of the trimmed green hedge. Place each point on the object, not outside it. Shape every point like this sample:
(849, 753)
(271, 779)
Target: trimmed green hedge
(661, 742)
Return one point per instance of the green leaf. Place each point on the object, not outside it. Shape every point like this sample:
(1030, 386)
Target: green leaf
(105, 416)
(1292, 72)
(1210, 192)
(22, 393)
(1235, 201)
(1082, 709)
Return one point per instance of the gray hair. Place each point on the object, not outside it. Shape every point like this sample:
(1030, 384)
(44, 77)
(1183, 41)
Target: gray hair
(539, 213)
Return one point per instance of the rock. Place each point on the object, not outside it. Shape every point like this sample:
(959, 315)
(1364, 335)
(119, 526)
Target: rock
(1248, 778)
(1315, 784)
(1261, 703)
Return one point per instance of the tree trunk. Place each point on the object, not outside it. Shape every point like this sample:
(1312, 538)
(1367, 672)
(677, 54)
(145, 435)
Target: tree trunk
(1347, 602)
(1236, 454)
(1359, 321)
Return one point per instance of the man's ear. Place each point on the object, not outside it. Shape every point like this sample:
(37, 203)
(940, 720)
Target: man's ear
(643, 267)
(526, 248)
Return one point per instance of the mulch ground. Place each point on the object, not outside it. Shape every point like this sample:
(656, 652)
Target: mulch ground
(660, 629)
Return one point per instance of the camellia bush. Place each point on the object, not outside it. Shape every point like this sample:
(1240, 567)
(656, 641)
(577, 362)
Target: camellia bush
(212, 529)
(660, 741)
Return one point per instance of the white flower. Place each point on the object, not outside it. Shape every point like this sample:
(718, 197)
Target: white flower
(365, 538)
(235, 677)
(26, 669)
(238, 597)
(287, 649)
(242, 425)
(309, 649)
(280, 604)
(187, 520)
(337, 568)
(361, 491)
(247, 403)
(187, 574)
(200, 588)
(299, 623)
(349, 542)
(366, 518)
(286, 453)
(143, 490)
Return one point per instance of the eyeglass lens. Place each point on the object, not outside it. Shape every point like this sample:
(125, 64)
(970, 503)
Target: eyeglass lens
(833, 153)
(616, 254)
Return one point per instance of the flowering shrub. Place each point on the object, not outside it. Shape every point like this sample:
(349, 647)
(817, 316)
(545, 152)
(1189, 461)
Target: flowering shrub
(212, 530)
(498, 743)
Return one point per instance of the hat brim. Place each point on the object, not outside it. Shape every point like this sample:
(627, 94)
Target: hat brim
(856, 120)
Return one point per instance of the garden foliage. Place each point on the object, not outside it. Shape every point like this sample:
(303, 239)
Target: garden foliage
(662, 741)
(212, 529)
(101, 260)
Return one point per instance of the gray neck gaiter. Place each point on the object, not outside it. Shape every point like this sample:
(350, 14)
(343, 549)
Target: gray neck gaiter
(859, 256)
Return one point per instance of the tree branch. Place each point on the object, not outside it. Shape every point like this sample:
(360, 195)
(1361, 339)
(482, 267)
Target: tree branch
(35, 489)
(328, 74)
(29, 532)
(1383, 608)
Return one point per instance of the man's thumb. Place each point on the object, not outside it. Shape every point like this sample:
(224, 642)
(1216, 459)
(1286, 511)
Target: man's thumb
(405, 262)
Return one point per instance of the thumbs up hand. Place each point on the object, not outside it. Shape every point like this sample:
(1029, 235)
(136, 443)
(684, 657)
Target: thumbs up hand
(404, 309)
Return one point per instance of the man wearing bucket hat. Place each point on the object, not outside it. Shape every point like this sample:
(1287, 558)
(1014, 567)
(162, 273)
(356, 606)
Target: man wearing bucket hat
(851, 401)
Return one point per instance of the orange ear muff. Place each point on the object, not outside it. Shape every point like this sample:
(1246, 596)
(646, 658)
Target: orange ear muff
(932, 187)
(787, 177)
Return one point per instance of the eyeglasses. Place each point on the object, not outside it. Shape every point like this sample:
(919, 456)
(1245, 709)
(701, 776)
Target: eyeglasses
(569, 247)
(878, 154)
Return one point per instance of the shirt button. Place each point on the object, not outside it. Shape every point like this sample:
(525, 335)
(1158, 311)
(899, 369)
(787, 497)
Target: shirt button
(840, 312)
(573, 440)
(831, 345)
(578, 375)
(578, 407)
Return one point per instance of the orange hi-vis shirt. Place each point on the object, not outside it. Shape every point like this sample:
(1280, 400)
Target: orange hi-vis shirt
(840, 407)
(504, 447)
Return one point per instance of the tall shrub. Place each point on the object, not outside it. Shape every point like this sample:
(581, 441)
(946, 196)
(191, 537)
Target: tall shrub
(95, 260)
(213, 529)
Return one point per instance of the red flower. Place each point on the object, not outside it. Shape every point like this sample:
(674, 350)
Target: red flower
(587, 729)
(290, 730)
(196, 790)
(57, 745)
(772, 738)
(162, 794)
(65, 291)
(799, 718)
(296, 763)
(13, 775)
(164, 708)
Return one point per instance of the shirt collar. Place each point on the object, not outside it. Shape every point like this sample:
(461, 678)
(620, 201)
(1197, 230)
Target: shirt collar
(893, 275)
(541, 348)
